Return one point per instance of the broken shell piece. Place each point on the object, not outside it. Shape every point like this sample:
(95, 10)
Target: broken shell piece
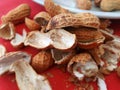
(62, 57)
(42, 61)
(62, 39)
(43, 15)
(82, 65)
(18, 41)
(88, 38)
(55, 38)
(31, 24)
(104, 23)
(96, 53)
(84, 4)
(111, 55)
(9, 58)
(102, 85)
(37, 40)
(2, 50)
(108, 36)
(42, 18)
(69, 19)
(27, 78)
(7, 31)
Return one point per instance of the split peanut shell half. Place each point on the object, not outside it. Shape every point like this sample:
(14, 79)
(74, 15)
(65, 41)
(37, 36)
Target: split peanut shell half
(111, 55)
(62, 57)
(9, 58)
(37, 40)
(31, 24)
(82, 65)
(88, 38)
(18, 41)
(2, 50)
(55, 38)
(27, 78)
(7, 31)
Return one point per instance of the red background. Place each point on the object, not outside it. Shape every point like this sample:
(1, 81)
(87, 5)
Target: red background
(59, 79)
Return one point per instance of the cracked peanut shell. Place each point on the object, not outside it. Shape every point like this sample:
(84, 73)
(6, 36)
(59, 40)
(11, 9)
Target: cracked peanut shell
(68, 19)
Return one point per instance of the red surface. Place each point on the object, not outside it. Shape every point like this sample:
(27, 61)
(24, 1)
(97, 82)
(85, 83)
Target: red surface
(59, 79)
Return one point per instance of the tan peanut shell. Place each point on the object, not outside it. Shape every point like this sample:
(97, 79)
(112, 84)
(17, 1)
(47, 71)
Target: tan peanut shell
(31, 24)
(110, 5)
(84, 4)
(17, 14)
(42, 61)
(68, 19)
(53, 9)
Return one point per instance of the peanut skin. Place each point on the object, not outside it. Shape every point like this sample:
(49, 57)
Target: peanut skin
(110, 5)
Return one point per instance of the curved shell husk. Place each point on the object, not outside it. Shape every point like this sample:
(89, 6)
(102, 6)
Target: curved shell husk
(9, 58)
(2, 50)
(27, 78)
(31, 24)
(111, 55)
(54, 38)
(62, 39)
(37, 40)
(18, 41)
(82, 65)
(7, 31)
(88, 38)
(62, 57)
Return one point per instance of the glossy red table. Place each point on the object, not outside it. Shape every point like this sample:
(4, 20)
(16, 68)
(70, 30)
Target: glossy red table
(59, 80)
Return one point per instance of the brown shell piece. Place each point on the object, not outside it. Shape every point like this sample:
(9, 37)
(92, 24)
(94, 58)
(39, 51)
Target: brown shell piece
(17, 14)
(84, 4)
(9, 58)
(42, 61)
(110, 5)
(108, 36)
(18, 41)
(7, 31)
(53, 9)
(68, 19)
(42, 14)
(111, 55)
(88, 38)
(62, 57)
(82, 65)
(104, 23)
(2, 50)
(42, 18)
(27, 78)
(97, 2)
(31, 24)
